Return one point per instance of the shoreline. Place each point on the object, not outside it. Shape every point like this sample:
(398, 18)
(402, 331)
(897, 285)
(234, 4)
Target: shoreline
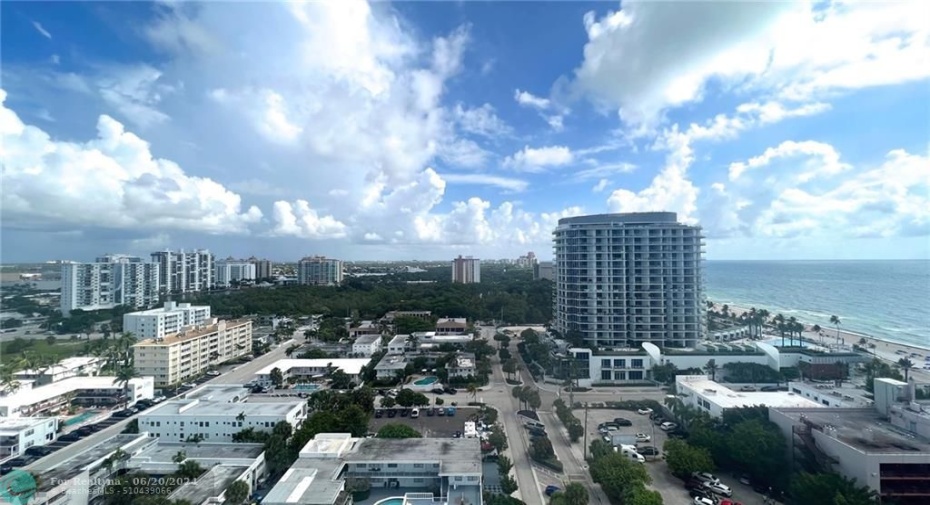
(848, 337)
(883, 350)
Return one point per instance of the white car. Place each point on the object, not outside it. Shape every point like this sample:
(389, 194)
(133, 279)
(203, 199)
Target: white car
(700, 500)
(642, 437)
(667, 426)
(213, 373)
(705, 477)
(719, 488)
(644, 411)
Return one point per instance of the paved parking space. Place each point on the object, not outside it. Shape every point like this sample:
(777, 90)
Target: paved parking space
(430, 427)
(641, 424)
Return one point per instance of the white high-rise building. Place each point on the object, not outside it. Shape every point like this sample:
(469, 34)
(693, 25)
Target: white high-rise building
(625, 279)
(466, 270)
(229, 270)
(109, 281)
(319, 271)
(167, 320)
(184, 272)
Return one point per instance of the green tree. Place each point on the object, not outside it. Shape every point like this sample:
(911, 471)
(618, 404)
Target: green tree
(541, 449)
(397, 430)
(508, 484)
(906, 365)
(237, 493)
(711, 369)
(835, 321)
(616, 474)
(639, 495)
(497, 438)
(575, 494)
(509, 367)
(599, 448)
(830, 488)
(277, 377)
(405, 325)
(388, 402)
(179, 457)
(189, 469)
(409, 398)
(340, 379)
(683, 459)
(758, 448)
(504, 465)
(472, 390)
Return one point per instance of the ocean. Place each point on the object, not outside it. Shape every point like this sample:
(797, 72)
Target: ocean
(888, 300)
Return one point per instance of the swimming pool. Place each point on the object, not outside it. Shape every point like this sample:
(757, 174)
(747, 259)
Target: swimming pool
(396, 500)
(426, 381)
(776, 342)
(307, 387)
(78, 419)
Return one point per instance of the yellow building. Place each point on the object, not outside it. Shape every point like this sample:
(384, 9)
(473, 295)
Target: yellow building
(192, 351)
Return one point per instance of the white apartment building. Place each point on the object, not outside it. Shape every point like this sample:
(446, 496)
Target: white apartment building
(625, 279)
(366, 345)
(319, 271)
(49, 399)
(20, 433)
(309, 369)
(263, 268)
(365, 328)
(462, 366)
(64, 369)
(466, 270)
(543, 270)
(184, 272)
(109, 281)
(450, 465)
(398, 344)
(217, 421)
(700, 392)
(229, 271)
(451, 326)
(191, 352)
(167, 320)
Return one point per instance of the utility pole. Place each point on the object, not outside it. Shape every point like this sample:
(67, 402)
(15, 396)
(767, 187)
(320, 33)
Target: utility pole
(571, 381)
(585, 442)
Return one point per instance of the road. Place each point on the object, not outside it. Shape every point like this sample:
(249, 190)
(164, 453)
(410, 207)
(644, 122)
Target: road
(236, 374)
(497, 394)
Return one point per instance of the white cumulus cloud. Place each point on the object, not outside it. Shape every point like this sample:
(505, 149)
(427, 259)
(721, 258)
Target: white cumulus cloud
(537, 159)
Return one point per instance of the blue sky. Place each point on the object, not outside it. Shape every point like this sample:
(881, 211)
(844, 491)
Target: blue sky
(431, 129)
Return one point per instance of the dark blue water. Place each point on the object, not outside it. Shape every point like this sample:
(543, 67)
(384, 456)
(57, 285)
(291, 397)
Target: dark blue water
(889, 300)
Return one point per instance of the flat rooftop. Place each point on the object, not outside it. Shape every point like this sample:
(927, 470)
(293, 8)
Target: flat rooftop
(208, 485)
(351, 366)
(51, 477)
(56, 389)
(457, 455)
(389, 362)
(863, 429)
(308, 481)
(163, 452)
(727, 398)
(219, 393)
(399, 339)
(187, 335)
(17, 424)
(367, 339)
(205, 408)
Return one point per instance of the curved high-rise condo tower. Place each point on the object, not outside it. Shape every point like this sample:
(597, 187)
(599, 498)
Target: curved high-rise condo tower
(625, 279)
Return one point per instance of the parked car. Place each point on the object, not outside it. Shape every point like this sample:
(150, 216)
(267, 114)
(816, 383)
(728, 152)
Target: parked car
(441, 412)
(430, 412)
(551, 490)
(719, 488)
(747, 388)
(213, 373)
(70, 437)
(702, 500)
(667, 426)
(658, 420)
(619, 421)
(642, 437)
(693, 484)
(450, 391)
(705, 477)
(404, 412)
(437, 391)
(379, 413)
(644, 411)
(648, 450)
(391, 412)
(123, 413)
(458, 434)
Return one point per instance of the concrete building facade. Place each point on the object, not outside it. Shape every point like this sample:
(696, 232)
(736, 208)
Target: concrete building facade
(54, 397)
(176, 357)
(466, 270)
(217, 421)
(544, 270)
(184, 271)
(319, 271)
(229, 271)
(19, 434)
(167, 320)
(310, 369)
(366, 345)
(451, 326)
(263, 268)
(625, 279)
(109, 281)
(708, 396)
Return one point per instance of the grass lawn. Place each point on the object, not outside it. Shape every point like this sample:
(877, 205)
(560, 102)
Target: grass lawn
(59, 350)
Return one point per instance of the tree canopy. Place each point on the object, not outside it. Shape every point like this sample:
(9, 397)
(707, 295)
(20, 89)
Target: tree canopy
(397, 430)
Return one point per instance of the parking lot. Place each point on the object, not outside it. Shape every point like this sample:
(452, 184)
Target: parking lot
(429, 426)
(641, 424)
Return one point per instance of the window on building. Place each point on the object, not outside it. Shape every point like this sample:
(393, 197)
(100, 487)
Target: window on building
(636, 376)
(392, 465)
(619, 363)
(605, 363)
(636, 363)
(605, 375)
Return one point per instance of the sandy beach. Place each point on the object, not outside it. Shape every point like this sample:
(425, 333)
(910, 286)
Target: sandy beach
(889, 351)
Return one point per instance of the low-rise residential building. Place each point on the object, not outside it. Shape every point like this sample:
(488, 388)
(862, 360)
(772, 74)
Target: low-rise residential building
(451, 467)
(390, 367)
(365, 328)
(428, 340)
(833, 394)
(217, 421)
(700, 392)
(462, 366)
(20, 433)
(64, 369)
(54, 397)
(311, 369)
(172, 318)
(389, 317)
(451, 326)
(366, 345)
(398, 344)
(192, 352)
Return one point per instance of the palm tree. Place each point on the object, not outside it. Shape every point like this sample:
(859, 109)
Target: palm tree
(835, 321)
(779, 322)
(472, 391)
(792, 328)
(711, 369)
(240, 417)
(818, 330)
(123, 376)
(179, 457)
(905, 365)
